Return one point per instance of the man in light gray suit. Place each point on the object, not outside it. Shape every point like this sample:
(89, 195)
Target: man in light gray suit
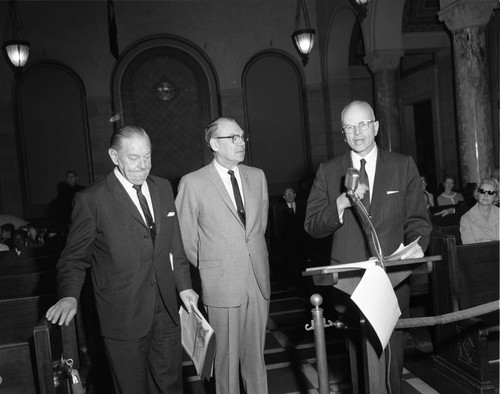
(223, 210)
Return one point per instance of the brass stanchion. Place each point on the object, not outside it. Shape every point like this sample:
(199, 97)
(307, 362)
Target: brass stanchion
(318, 324)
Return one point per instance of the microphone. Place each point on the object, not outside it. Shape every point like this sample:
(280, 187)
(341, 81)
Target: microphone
(351, 183)
(351, 179)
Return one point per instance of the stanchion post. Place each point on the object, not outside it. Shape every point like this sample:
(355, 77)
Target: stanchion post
(318, 325)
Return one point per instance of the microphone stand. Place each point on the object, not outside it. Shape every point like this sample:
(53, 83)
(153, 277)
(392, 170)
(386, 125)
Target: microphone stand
(365, 218)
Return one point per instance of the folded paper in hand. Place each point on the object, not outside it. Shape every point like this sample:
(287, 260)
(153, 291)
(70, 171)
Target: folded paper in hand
(198, 340)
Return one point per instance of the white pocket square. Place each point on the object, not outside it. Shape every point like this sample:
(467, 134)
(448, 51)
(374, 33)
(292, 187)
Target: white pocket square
(392, 191)
(172, 213)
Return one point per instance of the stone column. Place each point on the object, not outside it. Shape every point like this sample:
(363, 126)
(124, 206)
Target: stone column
(384, 65)
(466, 20)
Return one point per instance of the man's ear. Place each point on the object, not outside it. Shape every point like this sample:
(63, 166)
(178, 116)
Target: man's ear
(375, 126)
(113, 155)
(214, 144)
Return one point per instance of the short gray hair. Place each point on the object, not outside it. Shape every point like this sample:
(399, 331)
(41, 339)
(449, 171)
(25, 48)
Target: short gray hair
(125, 132)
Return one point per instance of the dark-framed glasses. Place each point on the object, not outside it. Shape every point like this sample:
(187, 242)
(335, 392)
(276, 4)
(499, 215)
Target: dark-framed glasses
(362, 126)
(488, 192)
(236, 139)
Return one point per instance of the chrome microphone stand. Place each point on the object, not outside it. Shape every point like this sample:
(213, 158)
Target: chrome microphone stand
(365, 218)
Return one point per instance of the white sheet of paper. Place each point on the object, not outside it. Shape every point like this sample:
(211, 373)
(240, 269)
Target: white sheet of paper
(375, 297)
(346, 266)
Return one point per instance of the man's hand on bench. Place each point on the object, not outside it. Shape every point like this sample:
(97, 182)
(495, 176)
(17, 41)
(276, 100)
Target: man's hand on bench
(62, 312)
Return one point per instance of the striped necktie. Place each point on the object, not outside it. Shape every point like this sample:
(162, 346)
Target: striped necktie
(363, 178)
(147, 213)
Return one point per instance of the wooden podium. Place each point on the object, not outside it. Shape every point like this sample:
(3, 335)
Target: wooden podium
(346, 280)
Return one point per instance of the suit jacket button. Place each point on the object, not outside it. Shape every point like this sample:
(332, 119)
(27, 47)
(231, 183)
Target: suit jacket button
(153, 283)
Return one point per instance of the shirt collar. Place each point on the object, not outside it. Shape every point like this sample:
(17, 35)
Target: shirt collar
(126, 183)
(223, 170)
(371, 158)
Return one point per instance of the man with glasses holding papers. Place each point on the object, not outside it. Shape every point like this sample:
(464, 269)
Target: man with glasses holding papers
(223, 210)
(391, 191)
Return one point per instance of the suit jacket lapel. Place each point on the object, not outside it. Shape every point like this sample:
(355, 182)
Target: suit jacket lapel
(250, 198)
(221, 189)
(381, 182)
(121, 195)
(155, 198)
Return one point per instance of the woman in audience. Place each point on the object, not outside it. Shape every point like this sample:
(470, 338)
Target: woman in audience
(449, 196)
(480, 223)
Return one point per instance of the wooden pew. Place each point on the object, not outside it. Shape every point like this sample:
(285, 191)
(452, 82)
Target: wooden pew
(17, 319)
(467, 277)
(30, 277)
(27, 290)
(50, 342)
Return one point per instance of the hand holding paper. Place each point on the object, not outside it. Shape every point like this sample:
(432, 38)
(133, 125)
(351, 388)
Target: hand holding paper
(198, 340)
(189, 298)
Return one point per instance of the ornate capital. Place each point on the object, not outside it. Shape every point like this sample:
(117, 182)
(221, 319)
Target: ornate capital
(384, 60)
(461, 14)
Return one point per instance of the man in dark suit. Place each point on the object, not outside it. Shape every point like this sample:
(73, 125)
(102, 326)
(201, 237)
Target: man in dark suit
(292, 238)
(223, 210)
(393, 194)
(125, 229)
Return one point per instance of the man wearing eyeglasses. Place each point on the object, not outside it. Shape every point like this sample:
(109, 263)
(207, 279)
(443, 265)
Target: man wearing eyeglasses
(392, 194)
(223, 210)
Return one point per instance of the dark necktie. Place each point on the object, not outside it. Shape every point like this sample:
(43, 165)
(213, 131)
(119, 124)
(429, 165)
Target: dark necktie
(146, 211)
(237, 197)
(363, 178)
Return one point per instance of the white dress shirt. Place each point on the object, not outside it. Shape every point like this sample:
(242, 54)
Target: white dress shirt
(370, 166)
(226, 180)
(129, 188)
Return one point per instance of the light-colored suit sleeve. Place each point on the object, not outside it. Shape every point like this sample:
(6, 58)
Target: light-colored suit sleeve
(188, 211)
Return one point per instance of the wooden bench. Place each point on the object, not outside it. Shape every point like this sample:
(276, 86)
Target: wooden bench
(30, 277)
(467, 277)
(50, 342)
(17, 319)
(27, 290)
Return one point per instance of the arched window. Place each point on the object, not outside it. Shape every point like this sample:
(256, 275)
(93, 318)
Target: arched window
(168, 87)
(275, 117)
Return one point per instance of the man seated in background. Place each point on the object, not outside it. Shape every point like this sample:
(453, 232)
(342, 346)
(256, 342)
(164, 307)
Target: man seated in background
(20, 249)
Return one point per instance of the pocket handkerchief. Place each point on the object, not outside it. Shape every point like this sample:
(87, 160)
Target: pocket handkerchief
(392, 192)
(171, 213)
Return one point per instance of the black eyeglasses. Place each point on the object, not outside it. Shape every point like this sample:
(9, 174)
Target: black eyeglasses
(236, 139)
(362, 126)
(489, 192)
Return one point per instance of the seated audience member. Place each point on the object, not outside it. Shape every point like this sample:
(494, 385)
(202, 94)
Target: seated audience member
(35, 239)
(20, 250)
(449, 197)
(6, 231)
(480, 223)
(429, 197)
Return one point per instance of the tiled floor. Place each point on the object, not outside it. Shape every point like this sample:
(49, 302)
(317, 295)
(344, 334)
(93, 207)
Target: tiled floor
(290, 354)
